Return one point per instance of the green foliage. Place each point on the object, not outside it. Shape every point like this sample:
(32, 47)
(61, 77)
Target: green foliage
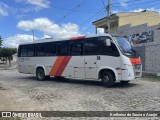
(7, 52)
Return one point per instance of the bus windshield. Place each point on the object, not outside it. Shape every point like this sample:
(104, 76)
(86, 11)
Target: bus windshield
(124, 45)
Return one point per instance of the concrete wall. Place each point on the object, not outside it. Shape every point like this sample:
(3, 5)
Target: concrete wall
(150, 52)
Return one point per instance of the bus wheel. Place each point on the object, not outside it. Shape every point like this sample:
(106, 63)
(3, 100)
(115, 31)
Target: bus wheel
(40, 75)
(108, 79)
(125, 82)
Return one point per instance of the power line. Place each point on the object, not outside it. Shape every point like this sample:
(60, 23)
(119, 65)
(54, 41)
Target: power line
(139, 3)
(130, 9)
(99, 12)
(94, 16)
(140, 13)
(69, 13)
(125, 2)
(71, 10)
(91, 17)
(103, 4)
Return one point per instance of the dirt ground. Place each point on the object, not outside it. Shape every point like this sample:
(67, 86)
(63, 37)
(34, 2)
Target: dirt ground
(21, 92)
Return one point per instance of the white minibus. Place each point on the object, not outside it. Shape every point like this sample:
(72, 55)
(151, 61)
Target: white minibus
(106, 57)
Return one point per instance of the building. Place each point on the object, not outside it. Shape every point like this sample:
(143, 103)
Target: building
(143, 30)
(134, 18)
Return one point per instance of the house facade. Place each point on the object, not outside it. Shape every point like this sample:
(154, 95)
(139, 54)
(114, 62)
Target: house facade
(133, 18)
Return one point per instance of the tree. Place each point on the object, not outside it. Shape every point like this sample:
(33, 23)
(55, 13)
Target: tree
(7, 53)
(1, 40)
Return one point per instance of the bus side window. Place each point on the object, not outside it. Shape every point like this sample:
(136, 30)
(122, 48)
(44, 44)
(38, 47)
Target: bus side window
(91, 46)
(23, 51)
(64, 48)
(76, 47)
(109, 50)
(40, 49)
(19, 51)
(50, 49)
(30, 50)
(58, 49)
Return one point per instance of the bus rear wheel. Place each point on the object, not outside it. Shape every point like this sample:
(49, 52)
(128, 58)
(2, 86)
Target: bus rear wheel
(40, 75)
(108, 79)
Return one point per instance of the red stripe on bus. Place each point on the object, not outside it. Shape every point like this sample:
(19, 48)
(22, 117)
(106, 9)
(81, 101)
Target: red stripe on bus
(78, 37)
(63, 65)
(56, 65)
(135, 61)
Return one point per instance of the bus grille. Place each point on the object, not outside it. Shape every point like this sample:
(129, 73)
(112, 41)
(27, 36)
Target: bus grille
(137, 70)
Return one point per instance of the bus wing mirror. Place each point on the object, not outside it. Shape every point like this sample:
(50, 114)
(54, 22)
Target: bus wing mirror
(108, 42)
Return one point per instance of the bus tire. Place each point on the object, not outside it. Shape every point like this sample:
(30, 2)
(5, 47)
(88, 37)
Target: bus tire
(108, 79)
(124, 82)
(40, 75)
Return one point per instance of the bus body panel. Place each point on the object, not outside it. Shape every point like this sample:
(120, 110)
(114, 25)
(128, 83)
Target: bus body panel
(111, 63)
(75, 67)
(91, 67)
(30, 64)
(129, 72)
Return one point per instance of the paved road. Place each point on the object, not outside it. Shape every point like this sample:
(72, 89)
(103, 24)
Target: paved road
(23, 92)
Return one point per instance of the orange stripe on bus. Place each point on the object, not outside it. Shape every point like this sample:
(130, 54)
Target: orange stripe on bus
(78, 37)
(63, 65)
(135, 61)
(56, 65)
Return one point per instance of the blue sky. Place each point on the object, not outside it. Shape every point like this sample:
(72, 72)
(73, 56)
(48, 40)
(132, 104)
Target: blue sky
(58, 18)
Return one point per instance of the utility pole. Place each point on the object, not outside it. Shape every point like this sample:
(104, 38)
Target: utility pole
(33, 34)
(108, 12)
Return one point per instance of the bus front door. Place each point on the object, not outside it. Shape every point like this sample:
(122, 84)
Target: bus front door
(91, 67)
(78, 63)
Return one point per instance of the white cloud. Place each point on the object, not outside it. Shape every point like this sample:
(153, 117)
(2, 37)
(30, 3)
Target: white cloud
(50, 28)
(154, 9)
(46, 36)
(14, 41)
(140, 9)
(137, 10)
(39, 3)
(115, 11)
(122, 2)
(20, 16)
(3, 9)
(36, 5)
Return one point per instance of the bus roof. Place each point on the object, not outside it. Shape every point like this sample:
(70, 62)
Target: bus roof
(63, 39)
